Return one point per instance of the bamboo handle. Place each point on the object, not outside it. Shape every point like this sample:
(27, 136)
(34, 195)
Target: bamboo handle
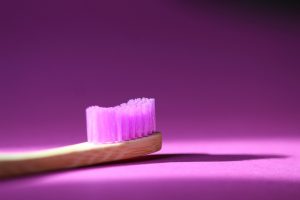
(83, 154)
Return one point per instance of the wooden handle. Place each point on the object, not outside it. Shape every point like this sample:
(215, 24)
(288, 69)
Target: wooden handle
(83, 154)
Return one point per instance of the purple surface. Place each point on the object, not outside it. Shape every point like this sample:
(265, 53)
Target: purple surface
(211, 169)
(219, 72)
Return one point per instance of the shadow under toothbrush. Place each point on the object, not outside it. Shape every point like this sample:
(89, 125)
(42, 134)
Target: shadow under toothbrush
(194, 157)
(159, 158)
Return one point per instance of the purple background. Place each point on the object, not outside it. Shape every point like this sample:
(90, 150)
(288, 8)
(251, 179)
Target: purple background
(217, 70)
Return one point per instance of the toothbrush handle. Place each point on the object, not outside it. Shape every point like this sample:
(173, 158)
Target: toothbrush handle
(77, 155)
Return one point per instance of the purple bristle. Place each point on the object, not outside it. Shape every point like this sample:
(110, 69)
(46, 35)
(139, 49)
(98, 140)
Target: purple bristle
(128, 121)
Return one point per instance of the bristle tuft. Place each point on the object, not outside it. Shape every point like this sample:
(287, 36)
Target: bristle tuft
(128, 121)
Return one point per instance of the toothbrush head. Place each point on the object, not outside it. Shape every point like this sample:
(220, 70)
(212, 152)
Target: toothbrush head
(128, 121)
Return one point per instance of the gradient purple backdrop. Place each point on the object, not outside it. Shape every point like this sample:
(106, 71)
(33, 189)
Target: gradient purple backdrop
(217, 70)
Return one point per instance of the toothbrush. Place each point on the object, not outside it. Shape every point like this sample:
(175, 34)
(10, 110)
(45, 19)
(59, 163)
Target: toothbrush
(115, 133)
